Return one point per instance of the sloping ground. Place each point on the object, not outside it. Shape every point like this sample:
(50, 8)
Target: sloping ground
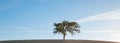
(54, 41)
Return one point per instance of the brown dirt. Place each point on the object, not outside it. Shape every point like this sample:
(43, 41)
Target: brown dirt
(55, 41)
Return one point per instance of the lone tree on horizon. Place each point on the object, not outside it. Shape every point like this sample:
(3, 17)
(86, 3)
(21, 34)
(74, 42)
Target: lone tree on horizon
(66, 26)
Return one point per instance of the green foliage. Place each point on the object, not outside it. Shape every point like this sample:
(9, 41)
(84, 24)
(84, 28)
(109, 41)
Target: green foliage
(66, 26)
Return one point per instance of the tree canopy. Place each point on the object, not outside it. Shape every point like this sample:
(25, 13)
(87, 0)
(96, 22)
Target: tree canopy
(66, 26)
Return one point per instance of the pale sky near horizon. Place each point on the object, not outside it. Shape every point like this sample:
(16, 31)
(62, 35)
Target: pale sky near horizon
(33, 19)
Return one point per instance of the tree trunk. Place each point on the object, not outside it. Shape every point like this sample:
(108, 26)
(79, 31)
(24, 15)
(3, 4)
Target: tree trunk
(63, 37)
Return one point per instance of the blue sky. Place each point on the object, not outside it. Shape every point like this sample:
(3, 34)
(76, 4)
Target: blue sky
(33, 19)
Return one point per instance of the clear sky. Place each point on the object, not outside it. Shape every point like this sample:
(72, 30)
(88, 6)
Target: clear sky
(33, 19)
